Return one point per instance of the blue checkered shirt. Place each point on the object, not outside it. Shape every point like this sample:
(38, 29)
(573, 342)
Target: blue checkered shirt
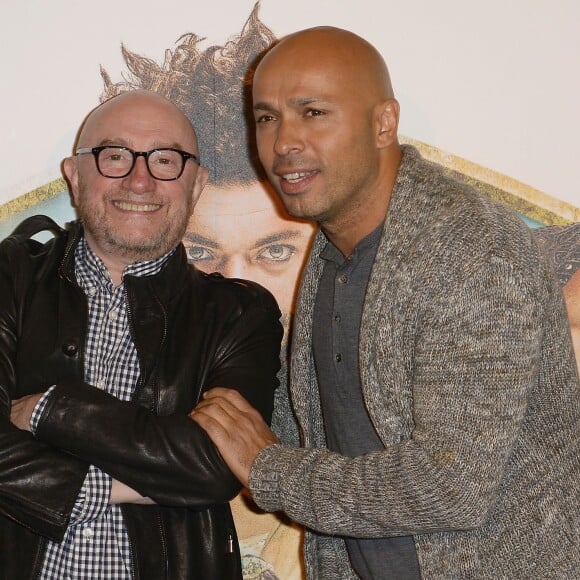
(96, 545)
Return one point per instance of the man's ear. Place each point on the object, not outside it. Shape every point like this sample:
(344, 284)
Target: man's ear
(71, 173)
(387, 115)
(200, 182)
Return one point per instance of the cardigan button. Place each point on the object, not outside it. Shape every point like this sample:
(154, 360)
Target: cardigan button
(70, 348)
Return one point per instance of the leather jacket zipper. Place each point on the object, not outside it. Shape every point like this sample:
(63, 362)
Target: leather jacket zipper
(163, 542)
(39, 558)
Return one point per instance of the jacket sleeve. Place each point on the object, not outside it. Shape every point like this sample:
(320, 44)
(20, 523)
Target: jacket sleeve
(170, 458)
(38, 484)
(474, 369)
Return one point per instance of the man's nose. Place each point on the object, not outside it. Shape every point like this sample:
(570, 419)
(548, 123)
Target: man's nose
(288, 138)
(140, 179)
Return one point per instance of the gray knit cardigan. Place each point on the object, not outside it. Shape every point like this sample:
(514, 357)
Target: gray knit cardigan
(468, 375)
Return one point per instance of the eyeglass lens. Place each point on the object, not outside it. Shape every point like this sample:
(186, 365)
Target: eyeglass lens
(118, 162)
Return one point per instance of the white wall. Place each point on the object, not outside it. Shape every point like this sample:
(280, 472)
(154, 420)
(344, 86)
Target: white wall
(493, 81)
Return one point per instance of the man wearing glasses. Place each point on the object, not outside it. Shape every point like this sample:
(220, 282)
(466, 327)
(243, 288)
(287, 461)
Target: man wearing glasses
(107, 340)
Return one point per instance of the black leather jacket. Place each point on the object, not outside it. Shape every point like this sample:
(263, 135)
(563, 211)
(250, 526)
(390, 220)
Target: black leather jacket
(192, 331)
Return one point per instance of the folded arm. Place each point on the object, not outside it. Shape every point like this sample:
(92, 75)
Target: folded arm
(21, 417)
(169, 459)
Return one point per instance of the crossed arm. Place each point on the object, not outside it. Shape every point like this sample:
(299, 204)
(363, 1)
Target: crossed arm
(20, 417)
(166, 459)
(221, 406)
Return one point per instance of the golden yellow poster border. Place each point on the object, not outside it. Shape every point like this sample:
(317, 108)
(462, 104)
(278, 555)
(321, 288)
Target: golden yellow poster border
(32, 198)
(527, 200)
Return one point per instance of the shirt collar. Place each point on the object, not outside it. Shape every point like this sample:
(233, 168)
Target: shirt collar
(369, 243)
(91, 269)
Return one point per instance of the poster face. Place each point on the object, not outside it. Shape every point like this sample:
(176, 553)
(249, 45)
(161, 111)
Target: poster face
(239, 226)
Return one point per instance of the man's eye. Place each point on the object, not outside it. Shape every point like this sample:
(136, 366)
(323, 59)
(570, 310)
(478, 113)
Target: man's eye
(314, 113)
(264, 118)
(112, 157)
(164, 161)
(277, 253)
(198, 253)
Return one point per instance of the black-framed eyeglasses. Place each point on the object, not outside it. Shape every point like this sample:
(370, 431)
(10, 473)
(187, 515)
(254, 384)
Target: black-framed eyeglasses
(165, 164)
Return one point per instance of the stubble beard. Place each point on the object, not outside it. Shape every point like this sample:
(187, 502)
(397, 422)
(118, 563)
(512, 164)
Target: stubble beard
(131, 249)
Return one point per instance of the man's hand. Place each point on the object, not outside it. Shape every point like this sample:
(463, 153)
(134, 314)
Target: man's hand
(235, 427)
(22, 409)
(122, 493)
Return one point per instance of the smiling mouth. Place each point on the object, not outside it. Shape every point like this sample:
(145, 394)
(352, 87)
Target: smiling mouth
(296, 177)
(144, 207)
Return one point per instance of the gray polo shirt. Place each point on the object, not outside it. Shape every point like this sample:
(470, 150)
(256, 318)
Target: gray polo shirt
(349, 431)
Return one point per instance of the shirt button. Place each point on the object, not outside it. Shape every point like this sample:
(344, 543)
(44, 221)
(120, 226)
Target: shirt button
(92, 291)
(88, 533)
(113, 315)
(343, 278)
(337, 318)
(100, 384)
(338, 357)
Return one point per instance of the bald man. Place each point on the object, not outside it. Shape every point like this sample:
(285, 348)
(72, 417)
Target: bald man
(108, 339)
(432, 373)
